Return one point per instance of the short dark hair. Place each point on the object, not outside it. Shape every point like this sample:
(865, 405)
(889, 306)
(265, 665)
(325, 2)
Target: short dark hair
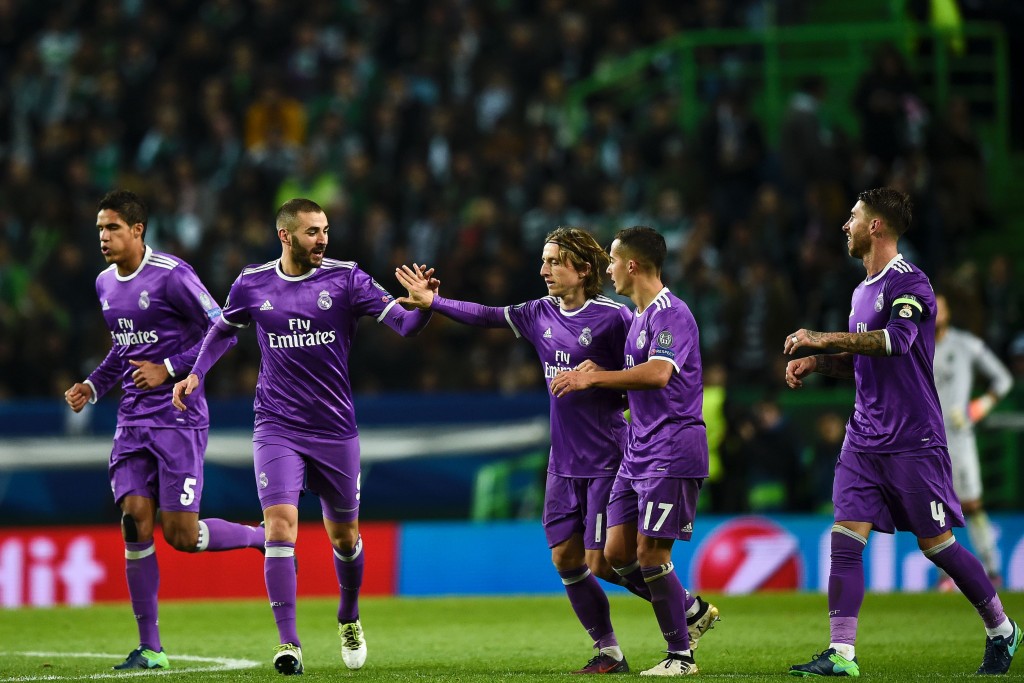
(127, 205)
(644, 244)
(289, 211)
(578, 248)
(891, 205)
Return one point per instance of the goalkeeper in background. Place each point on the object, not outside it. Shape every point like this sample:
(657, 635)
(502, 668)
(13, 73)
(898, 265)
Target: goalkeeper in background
(959, 358)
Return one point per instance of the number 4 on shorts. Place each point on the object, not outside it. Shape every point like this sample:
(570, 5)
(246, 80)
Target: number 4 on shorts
(938, 513)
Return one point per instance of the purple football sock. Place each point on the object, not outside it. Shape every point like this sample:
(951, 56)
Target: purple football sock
(590, 605)
(668, 597)
(845, 585)
(218, 534)
(349, 569)
(633, 580)
(969, 576)
(279, 573)
(143, 574)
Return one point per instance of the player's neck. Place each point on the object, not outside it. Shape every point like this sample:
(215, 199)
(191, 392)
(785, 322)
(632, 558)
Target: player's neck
(645, 291)
(131, 262)
(879, 257)
(570, 301)
(290, 268)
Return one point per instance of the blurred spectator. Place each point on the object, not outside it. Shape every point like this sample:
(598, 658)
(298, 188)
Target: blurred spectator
(886, 101)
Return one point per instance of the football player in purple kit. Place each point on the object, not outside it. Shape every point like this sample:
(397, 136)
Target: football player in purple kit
(893, 470)
(157, 311)
(306, 308)
(653, 501)
(574, 323)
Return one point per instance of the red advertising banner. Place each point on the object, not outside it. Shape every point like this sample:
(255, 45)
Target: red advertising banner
(45, 566)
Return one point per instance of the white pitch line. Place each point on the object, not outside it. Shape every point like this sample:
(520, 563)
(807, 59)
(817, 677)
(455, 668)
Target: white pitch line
(219, 664)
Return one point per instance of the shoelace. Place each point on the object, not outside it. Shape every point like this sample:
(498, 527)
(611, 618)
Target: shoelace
(351, 635)
(285, 646)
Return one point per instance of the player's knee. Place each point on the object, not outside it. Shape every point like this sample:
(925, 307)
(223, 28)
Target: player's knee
(129, 528)
(617, 556)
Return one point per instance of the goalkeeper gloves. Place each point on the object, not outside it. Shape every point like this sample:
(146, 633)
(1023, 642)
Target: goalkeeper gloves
(980, 407)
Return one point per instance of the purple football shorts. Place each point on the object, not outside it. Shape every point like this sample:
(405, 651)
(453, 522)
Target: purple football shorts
(660, 507)
(285, 465)
(908, 492)
(576, 506)
(161, 463)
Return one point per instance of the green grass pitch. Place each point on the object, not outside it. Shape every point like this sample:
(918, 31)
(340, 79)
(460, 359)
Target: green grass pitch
(902, 638)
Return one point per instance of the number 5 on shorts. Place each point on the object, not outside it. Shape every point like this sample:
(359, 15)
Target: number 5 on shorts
(938, 513)
(190, 493)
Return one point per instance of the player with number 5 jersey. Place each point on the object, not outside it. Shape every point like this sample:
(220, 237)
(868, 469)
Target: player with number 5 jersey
(893, 472)
(157, 312)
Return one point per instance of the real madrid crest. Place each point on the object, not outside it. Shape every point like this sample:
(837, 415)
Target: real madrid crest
(641, 340)
(905, 311)
(323, 300)
(587, 337)
(879, 302)
(143, 299)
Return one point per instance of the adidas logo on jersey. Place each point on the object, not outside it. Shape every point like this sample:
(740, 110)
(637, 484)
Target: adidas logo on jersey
(267, 306)
(547, 333)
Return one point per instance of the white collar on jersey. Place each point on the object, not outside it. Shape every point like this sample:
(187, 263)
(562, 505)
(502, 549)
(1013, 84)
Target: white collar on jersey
(897, 257)
(293, 278)
(142, 264)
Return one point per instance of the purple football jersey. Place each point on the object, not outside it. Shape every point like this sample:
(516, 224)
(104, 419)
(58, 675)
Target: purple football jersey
(304, 328)
(588, 430)
(897, 407)
(159, 314)
(667, 437)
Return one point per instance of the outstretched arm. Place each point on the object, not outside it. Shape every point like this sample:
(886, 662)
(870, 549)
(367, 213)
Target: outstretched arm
(420, 295)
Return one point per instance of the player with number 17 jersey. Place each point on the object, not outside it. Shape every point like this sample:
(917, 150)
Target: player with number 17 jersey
(667, 436)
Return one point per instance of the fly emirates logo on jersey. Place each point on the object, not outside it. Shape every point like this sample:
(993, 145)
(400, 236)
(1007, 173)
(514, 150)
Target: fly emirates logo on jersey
(127, 335)
(300, 335)
(561, 364)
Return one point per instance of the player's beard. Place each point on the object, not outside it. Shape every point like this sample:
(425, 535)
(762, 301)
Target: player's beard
(304, 257)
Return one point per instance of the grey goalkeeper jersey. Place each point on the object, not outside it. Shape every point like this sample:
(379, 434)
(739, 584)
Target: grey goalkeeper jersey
(959, 356)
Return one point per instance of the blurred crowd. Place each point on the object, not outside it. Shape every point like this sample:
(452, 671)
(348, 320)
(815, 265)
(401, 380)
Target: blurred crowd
(437, 132)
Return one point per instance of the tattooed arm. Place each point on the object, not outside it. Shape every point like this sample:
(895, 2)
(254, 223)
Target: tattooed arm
(834, 365)
(872, 343)
(831, 364)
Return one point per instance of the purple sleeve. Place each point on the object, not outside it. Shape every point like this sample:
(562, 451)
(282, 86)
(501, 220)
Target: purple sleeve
(406, 323)
(107, 374)
(191, 298)
(219, 338)
(902, 334)
(469, 313)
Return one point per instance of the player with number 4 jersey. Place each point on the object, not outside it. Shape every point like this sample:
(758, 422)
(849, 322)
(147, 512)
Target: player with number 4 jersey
(893, 470)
